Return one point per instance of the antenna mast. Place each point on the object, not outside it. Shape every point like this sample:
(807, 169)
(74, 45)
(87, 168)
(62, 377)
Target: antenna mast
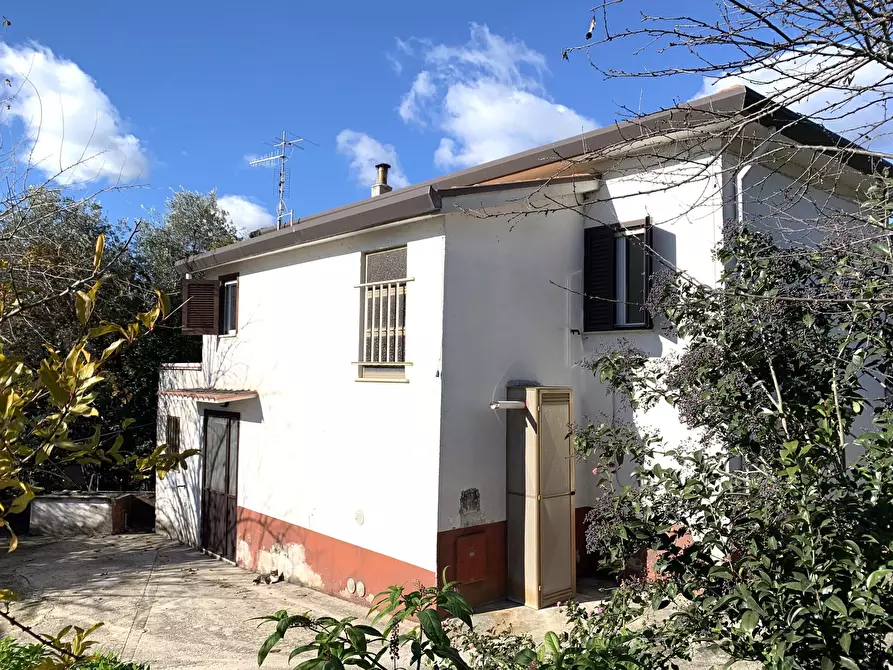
(282, 153)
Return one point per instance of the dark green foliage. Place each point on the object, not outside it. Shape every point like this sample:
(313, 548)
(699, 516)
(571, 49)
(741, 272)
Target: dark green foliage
(790, 525)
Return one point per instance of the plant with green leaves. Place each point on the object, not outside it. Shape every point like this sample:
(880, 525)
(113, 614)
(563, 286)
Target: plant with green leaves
(38, 408)
(784, 497)
(337, 643)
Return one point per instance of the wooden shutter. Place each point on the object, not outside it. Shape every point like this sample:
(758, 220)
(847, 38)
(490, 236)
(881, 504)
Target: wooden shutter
(172, 437)
(649, 267)
(598, 278)
(201, 306)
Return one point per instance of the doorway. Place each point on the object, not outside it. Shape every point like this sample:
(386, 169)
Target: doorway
(219, 483)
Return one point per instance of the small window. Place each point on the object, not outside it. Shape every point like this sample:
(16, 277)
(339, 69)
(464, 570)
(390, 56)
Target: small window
(172, 435)
(630, 279)
(229, 304)
(211, 306)
(617, 274)
(383, 315)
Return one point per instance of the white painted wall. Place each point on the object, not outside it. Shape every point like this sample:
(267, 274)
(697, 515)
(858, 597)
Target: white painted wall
(505, 319)
(318, 445)
(178, 495)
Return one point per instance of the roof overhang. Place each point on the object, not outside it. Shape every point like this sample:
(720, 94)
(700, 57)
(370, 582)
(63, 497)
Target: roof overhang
(709, 114)
(213, 396)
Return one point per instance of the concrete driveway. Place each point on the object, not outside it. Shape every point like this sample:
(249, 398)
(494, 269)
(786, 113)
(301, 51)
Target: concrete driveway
(177, 609)
(162, 603)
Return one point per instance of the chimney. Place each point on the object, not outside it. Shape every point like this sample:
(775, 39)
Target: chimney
(381, 186)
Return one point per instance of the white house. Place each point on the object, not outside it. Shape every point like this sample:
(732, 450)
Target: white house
(350, 360)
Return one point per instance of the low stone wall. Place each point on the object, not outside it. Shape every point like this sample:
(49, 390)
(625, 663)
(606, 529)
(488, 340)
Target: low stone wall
(103, 513)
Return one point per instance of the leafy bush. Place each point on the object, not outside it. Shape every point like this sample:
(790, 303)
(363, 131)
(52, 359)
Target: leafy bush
(17, 656)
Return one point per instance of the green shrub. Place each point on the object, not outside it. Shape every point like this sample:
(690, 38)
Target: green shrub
(17, 656)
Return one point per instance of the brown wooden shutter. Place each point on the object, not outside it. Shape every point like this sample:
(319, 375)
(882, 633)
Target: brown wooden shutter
(649, 266)
(598, 278)
(201, 306)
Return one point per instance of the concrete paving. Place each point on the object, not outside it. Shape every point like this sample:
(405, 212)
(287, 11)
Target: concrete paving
(161, 603)
(173, 607)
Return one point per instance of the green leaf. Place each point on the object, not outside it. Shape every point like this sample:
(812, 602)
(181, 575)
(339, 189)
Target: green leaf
(430, 623)
(552, 643)
(268, 644)
(749, 621)
(845, 641)
(721, 573)
(876, 576)
(525, 657)
(303, 649)
(848, 663)
(836, 604)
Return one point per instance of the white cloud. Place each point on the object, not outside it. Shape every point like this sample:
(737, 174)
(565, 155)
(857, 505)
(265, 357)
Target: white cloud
(364, 153)
(423, 88)
(488, 98)
(70, 125)
(395, 63)
(244, 214)
(489, 120)
(814, 84)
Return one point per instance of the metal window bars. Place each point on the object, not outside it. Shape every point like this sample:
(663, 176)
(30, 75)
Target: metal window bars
(384, 321)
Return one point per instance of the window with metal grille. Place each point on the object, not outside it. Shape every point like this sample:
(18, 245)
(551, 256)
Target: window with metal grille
(383, 315)
(172, 435)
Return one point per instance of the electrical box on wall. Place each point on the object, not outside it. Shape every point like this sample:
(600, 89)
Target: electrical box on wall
(540, 488)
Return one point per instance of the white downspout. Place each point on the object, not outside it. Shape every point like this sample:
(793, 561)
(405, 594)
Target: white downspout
(742, 173)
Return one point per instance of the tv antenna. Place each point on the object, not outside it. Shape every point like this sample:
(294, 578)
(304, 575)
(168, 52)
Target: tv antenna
(282, 151)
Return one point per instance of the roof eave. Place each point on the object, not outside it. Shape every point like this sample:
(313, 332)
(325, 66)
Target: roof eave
(395, 206)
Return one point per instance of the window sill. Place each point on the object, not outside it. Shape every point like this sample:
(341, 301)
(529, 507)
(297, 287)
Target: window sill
(227, 336)
(381, 380)
(620, 329)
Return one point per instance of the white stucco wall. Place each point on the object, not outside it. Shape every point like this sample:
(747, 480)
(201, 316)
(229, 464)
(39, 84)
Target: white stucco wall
(505, 318)
(319, 446)
(178, 495)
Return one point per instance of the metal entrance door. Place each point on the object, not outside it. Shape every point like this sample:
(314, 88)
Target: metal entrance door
(219, 480)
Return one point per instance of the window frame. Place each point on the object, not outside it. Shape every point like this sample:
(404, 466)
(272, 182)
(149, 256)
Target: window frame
(225, 281)
(621, 280)
(382, 371)
(604, 267)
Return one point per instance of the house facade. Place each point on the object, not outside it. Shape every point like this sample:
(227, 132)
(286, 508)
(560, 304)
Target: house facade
(344, 405)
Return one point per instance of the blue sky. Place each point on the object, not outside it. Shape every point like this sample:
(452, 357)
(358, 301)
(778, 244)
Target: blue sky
(168, 95)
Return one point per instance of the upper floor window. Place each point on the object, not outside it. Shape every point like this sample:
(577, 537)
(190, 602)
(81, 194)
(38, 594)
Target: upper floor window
(616, 276)
(383, 315)
(229, 304)
(211, 306)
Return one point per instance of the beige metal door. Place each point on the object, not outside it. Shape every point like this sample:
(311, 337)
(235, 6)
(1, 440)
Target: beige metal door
(556, 499)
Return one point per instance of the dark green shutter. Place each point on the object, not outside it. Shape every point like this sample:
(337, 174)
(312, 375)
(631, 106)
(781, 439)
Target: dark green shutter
(598, 278)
